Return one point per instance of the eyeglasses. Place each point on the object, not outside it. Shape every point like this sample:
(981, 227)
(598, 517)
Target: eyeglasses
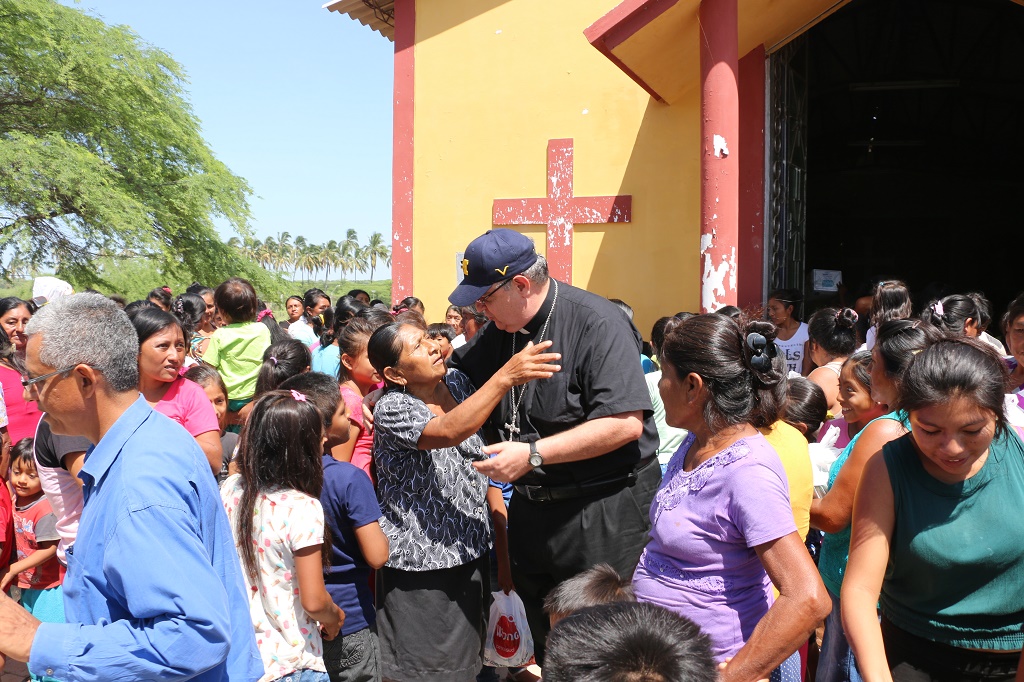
(26, 382)
(486, 297)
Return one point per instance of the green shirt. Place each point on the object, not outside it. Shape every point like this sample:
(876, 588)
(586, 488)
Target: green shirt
(956, 561)
(236, 350)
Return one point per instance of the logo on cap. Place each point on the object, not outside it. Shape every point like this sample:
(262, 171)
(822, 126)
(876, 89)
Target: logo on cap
(502, 271)
(465, 267)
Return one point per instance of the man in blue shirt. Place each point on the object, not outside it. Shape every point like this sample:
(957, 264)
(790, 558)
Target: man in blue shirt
(153, 587)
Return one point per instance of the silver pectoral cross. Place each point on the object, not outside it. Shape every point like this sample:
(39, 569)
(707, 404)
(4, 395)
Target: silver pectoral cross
(512, 429)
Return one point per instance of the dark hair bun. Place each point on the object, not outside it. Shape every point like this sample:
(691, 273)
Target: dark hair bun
(847, 318)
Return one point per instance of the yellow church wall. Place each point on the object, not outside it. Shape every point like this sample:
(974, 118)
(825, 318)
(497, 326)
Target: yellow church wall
(494, 81)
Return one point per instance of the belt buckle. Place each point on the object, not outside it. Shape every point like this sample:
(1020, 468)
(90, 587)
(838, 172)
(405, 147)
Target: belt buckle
(535, 493)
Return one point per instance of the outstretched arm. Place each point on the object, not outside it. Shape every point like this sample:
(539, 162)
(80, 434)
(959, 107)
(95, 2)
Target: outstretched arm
(466, 418)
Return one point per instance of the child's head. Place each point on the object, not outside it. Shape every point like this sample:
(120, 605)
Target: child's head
(805, 408)
(236, 300)
(24, 478)
(281, 447)
(628, 642)
(955, 314)
(280, 361)
(213, 385)
(410, 303)
(444, 334)
(344, 311)
(322, 390)
(190, 309)
(953, 391)
(160, 297)
(355, 364)
(984, 307)
(897, 343)
(855, 390)
(598, 585)
(891, 301)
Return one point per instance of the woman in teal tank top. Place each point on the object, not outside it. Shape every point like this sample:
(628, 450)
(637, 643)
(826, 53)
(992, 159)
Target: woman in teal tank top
(937, 529)
(864, 400)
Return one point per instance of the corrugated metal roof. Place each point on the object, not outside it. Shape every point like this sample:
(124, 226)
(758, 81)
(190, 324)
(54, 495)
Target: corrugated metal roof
(377, 14)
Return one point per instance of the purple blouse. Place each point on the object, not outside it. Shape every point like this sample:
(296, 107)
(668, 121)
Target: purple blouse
(701, 561)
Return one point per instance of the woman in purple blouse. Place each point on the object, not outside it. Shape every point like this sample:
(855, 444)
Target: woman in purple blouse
(722, 528)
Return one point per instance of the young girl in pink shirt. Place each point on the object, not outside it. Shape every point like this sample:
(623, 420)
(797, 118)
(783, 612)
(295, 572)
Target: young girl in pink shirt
(357, 378)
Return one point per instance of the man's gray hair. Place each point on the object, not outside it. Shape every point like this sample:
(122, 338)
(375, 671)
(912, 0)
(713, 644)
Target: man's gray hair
(89, 329)
(538, 272)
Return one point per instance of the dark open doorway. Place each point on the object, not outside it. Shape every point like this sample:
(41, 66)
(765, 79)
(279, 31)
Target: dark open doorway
(915, 147)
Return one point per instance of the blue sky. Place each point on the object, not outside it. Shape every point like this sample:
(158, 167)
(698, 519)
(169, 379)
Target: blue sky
(295, 99)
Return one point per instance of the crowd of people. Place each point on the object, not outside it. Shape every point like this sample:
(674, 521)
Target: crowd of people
(193, 489)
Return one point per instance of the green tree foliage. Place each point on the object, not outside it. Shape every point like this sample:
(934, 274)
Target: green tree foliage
(102, 157)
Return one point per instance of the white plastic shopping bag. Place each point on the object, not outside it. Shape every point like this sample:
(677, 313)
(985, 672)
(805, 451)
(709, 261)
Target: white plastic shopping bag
(509, 642)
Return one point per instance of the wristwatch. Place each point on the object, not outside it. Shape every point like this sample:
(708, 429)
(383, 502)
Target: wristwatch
(536, 459)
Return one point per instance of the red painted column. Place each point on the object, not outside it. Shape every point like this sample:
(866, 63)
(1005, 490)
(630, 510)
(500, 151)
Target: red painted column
(402, 150)
(719, 166)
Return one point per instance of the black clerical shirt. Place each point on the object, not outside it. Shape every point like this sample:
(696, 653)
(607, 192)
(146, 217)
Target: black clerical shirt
(601, 376)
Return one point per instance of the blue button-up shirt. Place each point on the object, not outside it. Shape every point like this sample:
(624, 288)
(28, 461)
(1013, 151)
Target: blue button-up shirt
(154, 586)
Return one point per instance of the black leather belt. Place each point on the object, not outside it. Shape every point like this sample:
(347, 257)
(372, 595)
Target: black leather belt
(557, 493)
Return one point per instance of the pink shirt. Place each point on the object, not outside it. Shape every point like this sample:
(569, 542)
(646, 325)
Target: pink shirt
(362, 455)
(186, 403)
(22, 417)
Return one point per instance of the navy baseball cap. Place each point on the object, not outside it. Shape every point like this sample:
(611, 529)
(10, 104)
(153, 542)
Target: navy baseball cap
(492, 257)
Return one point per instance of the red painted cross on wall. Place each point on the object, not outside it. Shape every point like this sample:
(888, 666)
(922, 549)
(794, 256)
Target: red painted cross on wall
(560, 210)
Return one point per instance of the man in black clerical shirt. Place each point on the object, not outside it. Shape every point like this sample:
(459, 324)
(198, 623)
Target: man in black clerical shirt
(580, 447)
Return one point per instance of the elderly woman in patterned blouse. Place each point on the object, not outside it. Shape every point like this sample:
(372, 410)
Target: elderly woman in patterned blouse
(437, 509)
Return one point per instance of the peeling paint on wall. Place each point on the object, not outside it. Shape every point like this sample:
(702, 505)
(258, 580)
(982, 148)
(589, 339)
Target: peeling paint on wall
(721, 148)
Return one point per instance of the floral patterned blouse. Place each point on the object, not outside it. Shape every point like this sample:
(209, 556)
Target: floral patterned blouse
(285, 522)
(434, 503)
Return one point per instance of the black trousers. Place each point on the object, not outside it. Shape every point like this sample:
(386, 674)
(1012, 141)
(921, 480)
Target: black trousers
(914, 659)
(553, 541)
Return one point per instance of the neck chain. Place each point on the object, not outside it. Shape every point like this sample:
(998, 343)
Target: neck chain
(512, 426)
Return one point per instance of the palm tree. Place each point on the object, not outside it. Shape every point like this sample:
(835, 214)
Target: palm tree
(309, 259)
(376, 248)
(284, 251)
(329, 256)
(349, 247)
(298, 249)
(361, 259)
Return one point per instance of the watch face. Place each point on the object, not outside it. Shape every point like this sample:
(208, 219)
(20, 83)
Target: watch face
(536, 460)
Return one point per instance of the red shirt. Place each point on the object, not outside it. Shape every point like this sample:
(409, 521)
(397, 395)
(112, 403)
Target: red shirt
(6, 525)
(35, 523)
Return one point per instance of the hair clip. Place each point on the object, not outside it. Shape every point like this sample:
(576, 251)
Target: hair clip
(301, 397)
(761, 351)
(937, 308)
(273, 360)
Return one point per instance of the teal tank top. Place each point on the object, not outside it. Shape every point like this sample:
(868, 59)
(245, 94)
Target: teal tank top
(956, 561)
(835, 547)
